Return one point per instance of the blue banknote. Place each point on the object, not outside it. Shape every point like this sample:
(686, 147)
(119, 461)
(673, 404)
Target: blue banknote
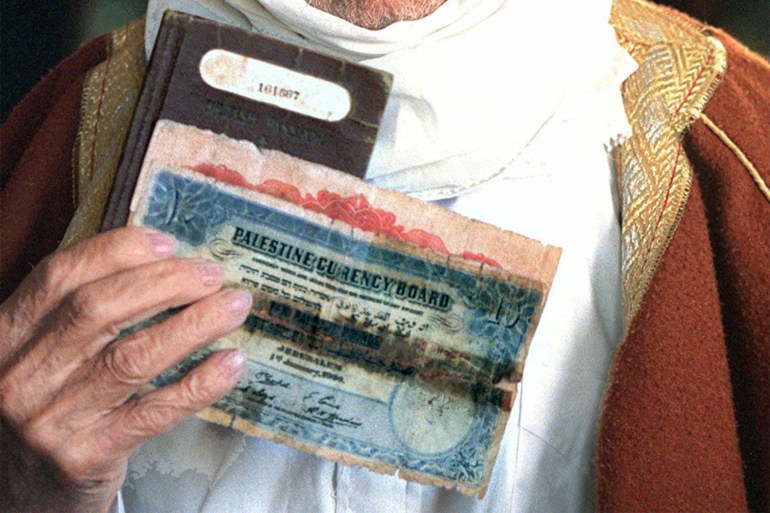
(360, 349)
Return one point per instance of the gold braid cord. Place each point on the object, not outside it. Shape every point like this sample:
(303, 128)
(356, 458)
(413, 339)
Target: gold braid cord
(110, 94)
(679, 68)
(742, 158)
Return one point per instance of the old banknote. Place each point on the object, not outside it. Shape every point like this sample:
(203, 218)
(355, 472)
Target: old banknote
(385, 332)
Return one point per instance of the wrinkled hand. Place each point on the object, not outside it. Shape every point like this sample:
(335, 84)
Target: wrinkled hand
(67, 418)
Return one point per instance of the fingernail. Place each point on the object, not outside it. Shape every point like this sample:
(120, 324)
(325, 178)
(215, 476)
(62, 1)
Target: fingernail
(237, 302)
(234, 361)
(209, 272)
(160, 244)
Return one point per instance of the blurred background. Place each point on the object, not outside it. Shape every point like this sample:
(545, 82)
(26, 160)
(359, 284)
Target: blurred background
(36, 35)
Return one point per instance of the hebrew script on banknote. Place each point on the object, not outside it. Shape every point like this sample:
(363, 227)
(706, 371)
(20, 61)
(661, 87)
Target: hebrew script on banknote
(385, 332)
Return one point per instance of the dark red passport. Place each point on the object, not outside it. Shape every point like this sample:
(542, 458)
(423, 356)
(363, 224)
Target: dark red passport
(175, 89)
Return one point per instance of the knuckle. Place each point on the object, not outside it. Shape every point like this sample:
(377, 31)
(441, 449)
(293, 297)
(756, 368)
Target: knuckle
(193, 389)
(85, 306)
(52, 272)
(192, 327)
(203, 324)
(152, 418)
(126, 362)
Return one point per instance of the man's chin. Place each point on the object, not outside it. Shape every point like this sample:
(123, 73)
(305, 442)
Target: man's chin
(377, 14)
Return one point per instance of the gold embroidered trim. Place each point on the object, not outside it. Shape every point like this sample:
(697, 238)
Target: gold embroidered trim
(752, 170)
(679, 68)
(109, 97)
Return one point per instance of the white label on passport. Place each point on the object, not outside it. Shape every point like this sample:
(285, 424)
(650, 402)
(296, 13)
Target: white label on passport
(267, 83)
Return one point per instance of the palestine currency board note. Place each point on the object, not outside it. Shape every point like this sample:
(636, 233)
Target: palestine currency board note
(385, 332)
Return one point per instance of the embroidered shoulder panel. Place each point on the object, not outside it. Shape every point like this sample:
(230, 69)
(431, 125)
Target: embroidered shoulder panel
(110, 94)
(680, 65)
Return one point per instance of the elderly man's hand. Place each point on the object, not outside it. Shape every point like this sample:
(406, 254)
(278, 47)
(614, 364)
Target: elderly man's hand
(68, 424)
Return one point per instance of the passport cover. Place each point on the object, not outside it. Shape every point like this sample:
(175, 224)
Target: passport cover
(174, 89)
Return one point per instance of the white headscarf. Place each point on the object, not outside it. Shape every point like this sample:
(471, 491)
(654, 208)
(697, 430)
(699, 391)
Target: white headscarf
(475, 81)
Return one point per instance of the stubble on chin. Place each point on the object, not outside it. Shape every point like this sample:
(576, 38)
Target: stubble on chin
(377, 14)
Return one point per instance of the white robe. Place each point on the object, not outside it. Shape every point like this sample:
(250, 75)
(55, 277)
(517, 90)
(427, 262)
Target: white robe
(537, 166)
